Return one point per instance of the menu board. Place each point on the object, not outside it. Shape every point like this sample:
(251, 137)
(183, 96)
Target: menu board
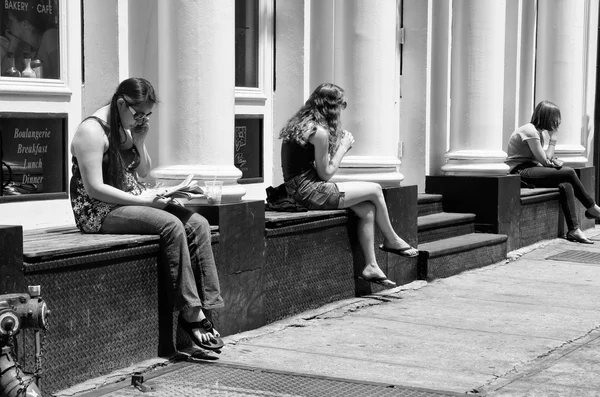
(33, 153)
(248, 150)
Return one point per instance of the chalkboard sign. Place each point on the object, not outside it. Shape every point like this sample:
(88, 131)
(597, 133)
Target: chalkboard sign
(33, 149)
(248, 150)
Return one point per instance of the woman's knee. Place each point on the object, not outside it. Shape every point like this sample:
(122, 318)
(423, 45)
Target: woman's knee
(172, 229)
(199, 223)
(364, 210)
(569, 174)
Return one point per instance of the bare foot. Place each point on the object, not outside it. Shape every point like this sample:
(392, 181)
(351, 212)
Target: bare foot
(401, 244)
(196, 315)
(374, 272)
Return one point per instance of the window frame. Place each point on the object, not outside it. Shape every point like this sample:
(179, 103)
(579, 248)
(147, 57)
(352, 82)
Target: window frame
(259, 94)
(31, 87)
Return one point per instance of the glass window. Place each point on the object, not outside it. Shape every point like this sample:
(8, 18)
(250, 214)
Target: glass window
(246, 43)
(29, 39)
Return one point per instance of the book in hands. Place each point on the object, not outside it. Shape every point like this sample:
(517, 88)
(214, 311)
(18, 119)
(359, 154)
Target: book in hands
(188, 189)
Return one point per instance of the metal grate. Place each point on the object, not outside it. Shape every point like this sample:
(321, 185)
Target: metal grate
(232, 381)
(577, 256)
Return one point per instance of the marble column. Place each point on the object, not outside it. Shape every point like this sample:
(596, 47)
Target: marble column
(353, 44)
(196, 92)
(560, 71)
(477, 88)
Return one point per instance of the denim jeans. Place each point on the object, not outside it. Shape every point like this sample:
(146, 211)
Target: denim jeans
(186, 253)
(569, 185)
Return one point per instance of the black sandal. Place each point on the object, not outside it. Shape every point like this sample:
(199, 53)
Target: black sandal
(215, 344)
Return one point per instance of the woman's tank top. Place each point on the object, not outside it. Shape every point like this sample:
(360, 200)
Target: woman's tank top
(296, 159)
(90, 213)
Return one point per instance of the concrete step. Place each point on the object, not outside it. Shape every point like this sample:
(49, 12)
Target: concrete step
(429, 203)
(450, 256)
(444, 225)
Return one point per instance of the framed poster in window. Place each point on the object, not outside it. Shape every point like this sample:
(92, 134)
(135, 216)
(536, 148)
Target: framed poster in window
(248, 150)
(33, 152)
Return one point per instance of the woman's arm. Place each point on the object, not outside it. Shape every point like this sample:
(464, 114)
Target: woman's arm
(552, 144)
(88, 147)
(326, 165)
(138, 134)
(537, 150)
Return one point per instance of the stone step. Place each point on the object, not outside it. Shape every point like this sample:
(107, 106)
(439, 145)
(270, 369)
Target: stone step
(444, 225)
(450, 256)
(428, 204)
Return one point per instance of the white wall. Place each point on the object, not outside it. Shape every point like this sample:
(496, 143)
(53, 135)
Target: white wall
(413, 103)
(289, 70)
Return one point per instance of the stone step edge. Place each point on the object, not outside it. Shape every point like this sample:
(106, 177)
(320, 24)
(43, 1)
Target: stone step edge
(427, 198)
(465, 242)
(443, 219)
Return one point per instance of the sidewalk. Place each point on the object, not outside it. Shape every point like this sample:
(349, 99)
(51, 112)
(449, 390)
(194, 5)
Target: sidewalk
(528, 326)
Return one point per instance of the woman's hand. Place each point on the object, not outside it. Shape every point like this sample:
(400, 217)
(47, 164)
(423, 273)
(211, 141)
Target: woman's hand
(347, 141)
(140, 131)
(154, 198)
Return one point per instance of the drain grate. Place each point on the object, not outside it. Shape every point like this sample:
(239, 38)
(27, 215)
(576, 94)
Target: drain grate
(235, 381)
(577, 256)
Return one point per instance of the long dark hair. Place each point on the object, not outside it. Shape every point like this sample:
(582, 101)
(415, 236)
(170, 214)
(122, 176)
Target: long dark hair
(323, 108)
(134, 91)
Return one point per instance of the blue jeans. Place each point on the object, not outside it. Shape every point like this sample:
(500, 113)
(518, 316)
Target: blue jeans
(569, 185)
(185, 249)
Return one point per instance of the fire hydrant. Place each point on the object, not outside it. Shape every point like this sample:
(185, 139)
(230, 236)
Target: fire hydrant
(20, 311)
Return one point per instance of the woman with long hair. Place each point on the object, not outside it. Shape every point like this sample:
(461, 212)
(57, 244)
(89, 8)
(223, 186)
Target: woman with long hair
(314, 145)
(538, 166)
(109, 153)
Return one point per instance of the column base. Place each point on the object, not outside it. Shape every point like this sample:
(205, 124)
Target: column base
(572, 155)
(475, 163)
(382, 170)
(229, 174)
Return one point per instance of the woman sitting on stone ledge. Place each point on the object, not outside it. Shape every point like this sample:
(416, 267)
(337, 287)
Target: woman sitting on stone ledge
(313, 148)
(108, 154)
(539, 167)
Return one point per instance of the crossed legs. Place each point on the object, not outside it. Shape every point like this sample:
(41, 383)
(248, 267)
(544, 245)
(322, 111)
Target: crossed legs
(570, 188)
(367, 201)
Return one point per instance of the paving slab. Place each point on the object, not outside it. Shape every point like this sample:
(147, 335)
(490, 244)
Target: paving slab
(572, 371)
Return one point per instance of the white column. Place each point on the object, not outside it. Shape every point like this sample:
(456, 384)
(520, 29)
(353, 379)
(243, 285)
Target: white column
(477, 88)
(560, 71)
(363, 63)
(196, 93)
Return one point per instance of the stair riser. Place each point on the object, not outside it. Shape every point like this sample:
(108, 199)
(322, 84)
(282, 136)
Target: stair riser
(448, 265)
(430, 208)
(444, 232)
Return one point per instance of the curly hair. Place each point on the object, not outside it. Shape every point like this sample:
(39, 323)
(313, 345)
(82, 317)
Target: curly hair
(134, 91)
(322, 108)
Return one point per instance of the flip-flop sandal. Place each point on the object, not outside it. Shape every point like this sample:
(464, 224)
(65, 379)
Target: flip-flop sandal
(386, 282)
(400, 251)
(206, 325)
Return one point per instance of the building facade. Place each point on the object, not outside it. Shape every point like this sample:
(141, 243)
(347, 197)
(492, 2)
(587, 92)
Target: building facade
(434, 87)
